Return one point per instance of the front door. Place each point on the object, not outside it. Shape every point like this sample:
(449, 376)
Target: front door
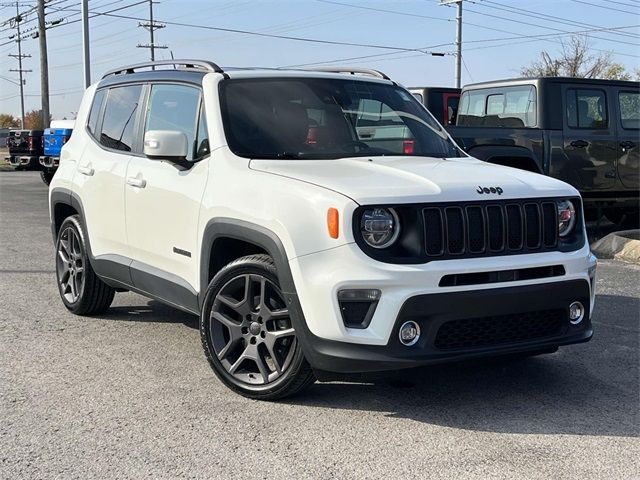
(628, 124)
(163, 200)
(590, 143)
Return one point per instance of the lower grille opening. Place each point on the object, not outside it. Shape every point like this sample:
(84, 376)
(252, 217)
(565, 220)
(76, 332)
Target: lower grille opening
(478, 278)
(500, 329)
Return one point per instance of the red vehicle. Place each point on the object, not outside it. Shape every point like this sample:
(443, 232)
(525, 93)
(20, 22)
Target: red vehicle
(442, 102)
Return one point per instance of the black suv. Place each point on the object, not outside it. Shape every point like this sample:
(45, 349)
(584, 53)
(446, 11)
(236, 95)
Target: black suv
(583, 131)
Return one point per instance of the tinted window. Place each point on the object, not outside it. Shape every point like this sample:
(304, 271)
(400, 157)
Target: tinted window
(629, 109)
(452, 108)
(92, 124)
(202, 140)
(586, 109)
(174, 107)
(499, 107)
(119, 117)
(327, 118)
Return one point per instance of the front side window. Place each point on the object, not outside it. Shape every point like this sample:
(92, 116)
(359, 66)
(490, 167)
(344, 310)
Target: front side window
(512, 107)
(326, 119)
(119, 117)
(629, 105)
(92, 123)
(174, 107)
(586, 109)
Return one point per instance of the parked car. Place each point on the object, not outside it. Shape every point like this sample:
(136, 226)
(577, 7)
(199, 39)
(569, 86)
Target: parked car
(442, 102)
(54, 139)
(25, 148)
(259, 201)
(582, 131)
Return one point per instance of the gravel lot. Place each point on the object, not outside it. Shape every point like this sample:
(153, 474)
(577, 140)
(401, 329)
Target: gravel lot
(130, 394)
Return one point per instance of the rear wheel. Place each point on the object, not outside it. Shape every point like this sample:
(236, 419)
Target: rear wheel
(46, 177)
(247, 332)
(81, 291)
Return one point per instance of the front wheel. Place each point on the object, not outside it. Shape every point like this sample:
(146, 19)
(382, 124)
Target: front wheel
(247, 332)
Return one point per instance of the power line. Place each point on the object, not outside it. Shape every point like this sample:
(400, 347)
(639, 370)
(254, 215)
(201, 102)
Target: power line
(606, 8)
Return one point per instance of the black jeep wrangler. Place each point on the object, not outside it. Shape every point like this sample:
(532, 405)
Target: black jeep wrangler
(583, 131)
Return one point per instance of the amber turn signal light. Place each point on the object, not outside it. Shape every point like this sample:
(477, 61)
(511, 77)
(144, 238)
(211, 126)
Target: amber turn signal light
(333, 222)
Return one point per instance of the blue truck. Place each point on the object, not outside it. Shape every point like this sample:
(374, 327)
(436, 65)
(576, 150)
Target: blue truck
(54, 139)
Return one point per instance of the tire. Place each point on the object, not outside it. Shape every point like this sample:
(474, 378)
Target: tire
(81, 291)
(46, 177)
(626, 219)
(247, 333)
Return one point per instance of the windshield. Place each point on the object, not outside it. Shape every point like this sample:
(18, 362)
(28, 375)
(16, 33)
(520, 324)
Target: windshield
(323, 118)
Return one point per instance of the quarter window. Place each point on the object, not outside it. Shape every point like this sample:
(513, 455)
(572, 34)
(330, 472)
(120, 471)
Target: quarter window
(510, 107)
(586, 109)
(174, 107)
(629, 103)
(119, 117)
(92, 124)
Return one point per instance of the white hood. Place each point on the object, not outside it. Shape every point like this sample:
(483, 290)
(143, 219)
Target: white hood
(404, 179)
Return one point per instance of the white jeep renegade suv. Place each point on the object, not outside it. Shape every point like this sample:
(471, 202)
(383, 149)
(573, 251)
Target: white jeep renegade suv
(316, 221)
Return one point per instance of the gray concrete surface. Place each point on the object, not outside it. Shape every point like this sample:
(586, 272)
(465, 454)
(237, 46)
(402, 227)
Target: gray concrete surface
(130, 395)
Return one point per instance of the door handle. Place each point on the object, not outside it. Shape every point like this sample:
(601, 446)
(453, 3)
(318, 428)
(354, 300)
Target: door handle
(86, 170)
(579, 144)
(627, 145)
(136, 182)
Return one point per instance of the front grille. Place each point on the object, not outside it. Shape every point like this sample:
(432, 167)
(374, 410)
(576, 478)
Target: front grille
(521, 226)
(500, 329)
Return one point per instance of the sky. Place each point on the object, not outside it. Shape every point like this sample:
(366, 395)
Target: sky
(395, 36)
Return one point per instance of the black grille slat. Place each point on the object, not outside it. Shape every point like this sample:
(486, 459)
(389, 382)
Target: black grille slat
(532, 225)
(455, 230)
(475, 229)
(514, 227)
(549, 224)
(495, 219)
(500, 329)
(434, 232)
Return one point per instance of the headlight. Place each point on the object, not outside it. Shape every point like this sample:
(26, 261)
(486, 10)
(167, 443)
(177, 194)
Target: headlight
(380, 227)
(566, 217)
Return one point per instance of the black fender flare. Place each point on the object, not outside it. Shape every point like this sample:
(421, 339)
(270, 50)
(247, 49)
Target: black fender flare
(487, 152)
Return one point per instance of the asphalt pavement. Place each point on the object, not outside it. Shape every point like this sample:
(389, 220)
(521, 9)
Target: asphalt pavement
(129, 394)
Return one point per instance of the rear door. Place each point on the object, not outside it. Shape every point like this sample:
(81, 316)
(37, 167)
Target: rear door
(163, 199)
(590, 142)
(628, 124)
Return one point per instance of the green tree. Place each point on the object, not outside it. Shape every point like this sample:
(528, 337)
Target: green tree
(576, 59)
(8, 121)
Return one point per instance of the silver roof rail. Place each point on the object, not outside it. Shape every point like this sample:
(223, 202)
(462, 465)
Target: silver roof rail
(351, 71)
(183, 64)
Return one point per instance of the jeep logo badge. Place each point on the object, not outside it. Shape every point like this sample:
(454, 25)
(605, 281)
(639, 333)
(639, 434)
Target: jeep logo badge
(482, 190)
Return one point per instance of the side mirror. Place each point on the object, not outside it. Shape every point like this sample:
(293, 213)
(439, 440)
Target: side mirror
(166, 145)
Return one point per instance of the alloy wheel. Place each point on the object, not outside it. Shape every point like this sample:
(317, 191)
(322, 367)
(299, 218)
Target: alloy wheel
(70, 265)
(251, 330)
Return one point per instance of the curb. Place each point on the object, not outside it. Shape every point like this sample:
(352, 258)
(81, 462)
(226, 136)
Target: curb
(624, 245)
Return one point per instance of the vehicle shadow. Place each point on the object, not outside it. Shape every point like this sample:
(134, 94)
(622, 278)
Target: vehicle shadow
(588, 389)
(151, 311)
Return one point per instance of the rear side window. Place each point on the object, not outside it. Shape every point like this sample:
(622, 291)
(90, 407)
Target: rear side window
(511, 107)
(176, 108)
(92, 124)
(629, 106)
(119, 117)
(586, 109)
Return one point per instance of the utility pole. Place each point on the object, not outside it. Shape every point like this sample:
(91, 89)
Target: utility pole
(458, 38)
(84, 10)
(151, 26)
(20, 70)
(44, 65)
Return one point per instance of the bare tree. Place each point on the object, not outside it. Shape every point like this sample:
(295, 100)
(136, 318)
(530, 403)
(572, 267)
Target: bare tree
(576, 59)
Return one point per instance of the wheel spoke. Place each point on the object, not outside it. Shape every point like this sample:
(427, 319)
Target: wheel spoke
(225, 350)
(272, 354)
(64, 278)
(63, 255)
(275, 335)
(262, 366)
(227, 322)
(72, 285)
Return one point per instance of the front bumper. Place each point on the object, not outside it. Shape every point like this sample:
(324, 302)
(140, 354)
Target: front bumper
(517, 319)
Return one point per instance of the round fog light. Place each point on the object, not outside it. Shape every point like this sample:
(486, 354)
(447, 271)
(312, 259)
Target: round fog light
(409, 333)
(576, 313)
